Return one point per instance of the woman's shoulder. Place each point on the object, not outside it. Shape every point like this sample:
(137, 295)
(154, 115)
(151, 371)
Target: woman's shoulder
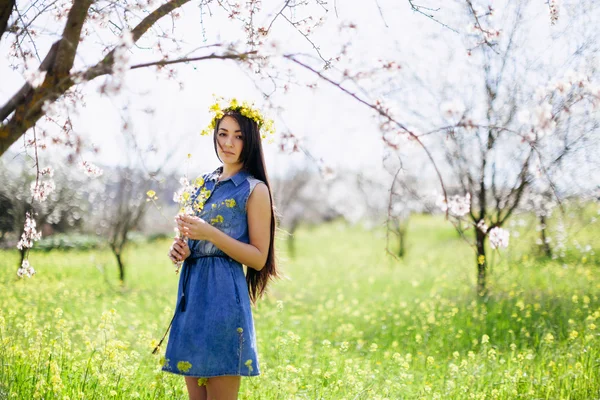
(252, 181)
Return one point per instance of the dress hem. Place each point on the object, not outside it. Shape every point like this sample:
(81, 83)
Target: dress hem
(195, 375)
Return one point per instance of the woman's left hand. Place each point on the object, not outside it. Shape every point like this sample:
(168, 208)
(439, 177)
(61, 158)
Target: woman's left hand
(193, 227)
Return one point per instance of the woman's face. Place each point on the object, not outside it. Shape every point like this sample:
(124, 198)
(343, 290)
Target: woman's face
(229, 141)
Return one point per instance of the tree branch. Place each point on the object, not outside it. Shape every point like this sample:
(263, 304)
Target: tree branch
(27, 89)
(105, 66)
(379, 111)
(213, 56)
(6, 9)
(67, 47)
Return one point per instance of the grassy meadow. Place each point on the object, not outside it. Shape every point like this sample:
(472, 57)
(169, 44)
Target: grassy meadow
(348, 322)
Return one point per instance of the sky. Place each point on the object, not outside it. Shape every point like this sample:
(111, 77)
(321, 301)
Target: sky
(334, 127)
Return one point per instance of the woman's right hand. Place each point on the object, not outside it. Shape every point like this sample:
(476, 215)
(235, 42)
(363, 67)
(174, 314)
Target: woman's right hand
(179, 250)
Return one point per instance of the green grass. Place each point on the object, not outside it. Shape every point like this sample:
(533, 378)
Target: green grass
(348, 322)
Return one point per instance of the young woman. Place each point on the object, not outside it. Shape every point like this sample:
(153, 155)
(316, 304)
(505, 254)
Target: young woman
(212, 341)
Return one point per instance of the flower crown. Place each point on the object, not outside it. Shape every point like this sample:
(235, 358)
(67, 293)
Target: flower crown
(221, 106)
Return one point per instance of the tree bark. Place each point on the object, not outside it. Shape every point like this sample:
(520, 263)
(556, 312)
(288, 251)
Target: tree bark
(545, 246)
(481, 262)
(121, 267)
(401, 239)
(6, 9)
(22, 253)
(401, 247)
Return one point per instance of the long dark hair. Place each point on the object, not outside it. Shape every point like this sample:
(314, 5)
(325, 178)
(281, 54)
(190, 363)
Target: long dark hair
(253, 160)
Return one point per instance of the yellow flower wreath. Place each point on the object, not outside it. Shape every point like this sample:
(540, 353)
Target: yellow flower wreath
(247, 109)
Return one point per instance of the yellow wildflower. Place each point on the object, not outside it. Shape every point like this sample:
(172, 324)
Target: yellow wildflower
(573, 335)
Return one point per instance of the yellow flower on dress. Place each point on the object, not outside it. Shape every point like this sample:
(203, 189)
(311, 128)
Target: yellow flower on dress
(230, 203)
(217, 220)
(184, 366)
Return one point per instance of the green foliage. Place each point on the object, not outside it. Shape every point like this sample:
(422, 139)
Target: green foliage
(69, 242)
(348, 322)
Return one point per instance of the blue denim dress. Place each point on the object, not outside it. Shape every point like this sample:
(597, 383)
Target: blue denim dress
(212, 331)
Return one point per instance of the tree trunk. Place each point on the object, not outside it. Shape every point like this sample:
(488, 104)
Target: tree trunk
(117, 254)
(22, 252)
(481, 262)
(401, 238)
(545, 246)
(401, 248)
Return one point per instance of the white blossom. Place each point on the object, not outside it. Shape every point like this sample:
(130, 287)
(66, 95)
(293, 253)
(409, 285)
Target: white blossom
(35, 78)
(25, 270)
(482, 226)
(183, 181)
(499, 237)
(30, 234)
(471, 28)
(178, 196)
(40, 190)
(91, 170)
(457, 205)
(543, 120)
(50, 109)
(327, 171)
(127, 39)
(271, 47)
(553, 9)
(47, 171)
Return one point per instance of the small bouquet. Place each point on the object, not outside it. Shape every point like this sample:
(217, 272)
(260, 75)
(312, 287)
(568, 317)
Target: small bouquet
(191, 198)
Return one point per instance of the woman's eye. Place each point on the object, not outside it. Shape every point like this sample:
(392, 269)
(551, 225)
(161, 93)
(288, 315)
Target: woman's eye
(239, 137)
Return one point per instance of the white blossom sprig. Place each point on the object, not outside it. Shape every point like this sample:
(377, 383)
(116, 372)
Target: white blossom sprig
(498, 237)
(30, 234)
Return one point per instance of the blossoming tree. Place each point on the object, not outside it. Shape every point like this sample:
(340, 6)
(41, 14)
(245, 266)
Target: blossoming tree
(513, 116)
